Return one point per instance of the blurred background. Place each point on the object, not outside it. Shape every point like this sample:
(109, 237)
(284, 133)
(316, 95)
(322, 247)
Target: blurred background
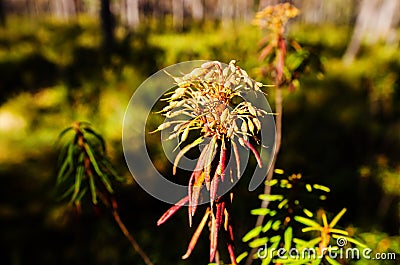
(68, 60)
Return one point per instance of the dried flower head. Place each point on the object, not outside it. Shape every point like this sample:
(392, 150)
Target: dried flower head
(274, 18)
(203, 102)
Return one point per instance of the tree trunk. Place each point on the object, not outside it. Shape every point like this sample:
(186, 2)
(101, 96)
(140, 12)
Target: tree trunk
(265, 3)
(2, 14)
(178, 13)
(107, 25)
(377, 20)
(227, 11)
(64, 9)
(197, 9)
(130, 13)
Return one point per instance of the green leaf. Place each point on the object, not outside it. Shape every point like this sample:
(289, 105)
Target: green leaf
(331, 261)
(252, 233)
(63, 132)
(81, 194)
(270, 197)
(282, 203)
(241, 257)
(308, 213)
(258, 242)
(92, 189)
(338, 231)
(97, 136)
(311, 243)
(271, 182)
(310, 228)
(306, 221)
(352, 240)
(337, 218)
(288, 235)
(275, 239)
(62, 173)
(260, 211)
(321, 187)
(294, 60)
(67, 192)
(96, 167)
(112, 171)
(80, 171)
(276, 224)
(316, 261)
(267, 226)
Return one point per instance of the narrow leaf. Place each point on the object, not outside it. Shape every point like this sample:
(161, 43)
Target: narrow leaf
(196, 234)
(183, 151)
(252, 233)
(260, 211)
(337, 218)
(331, 261)
(241, 257)
(172, 210)
(258, 242)
(92, 189)
(307, 221)
(288, 235)
(237, 158)
(255, 152)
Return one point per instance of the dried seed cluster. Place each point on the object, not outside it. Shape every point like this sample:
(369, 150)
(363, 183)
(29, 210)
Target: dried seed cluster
(202, 101)
(275, 17)
(205, 95)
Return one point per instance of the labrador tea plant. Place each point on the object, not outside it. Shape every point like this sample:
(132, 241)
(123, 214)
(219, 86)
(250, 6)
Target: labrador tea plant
(203, 99)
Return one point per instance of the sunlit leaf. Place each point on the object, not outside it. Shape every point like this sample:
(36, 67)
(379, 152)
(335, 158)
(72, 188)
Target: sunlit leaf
(307, 221)
(331, 261)
(260, 211)
(276, 224)
(288, 235)
(336, 219)
(321, 187)
(196, 234)
(241, 257)
(258, 242)
(252, 233)
(270, 197)
(184, 150)
(267, 226)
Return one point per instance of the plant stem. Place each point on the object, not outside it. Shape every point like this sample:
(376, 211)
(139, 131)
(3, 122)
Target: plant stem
(278, 139)
(125, 231)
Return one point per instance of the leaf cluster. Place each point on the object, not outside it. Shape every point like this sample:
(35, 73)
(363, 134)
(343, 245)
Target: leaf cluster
(284, 217)
(83, 165)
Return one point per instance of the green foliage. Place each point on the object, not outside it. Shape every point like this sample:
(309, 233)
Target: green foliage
(337, 124)
(282, 230)
(83, 164)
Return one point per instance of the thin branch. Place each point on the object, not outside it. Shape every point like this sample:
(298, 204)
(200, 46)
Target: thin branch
(123, 228)
(267, 188)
